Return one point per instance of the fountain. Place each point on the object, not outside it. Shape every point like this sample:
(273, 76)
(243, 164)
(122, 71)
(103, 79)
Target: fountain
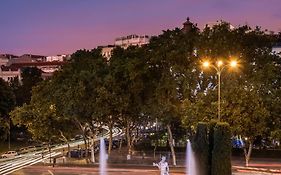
(102, 157)
(190, 160)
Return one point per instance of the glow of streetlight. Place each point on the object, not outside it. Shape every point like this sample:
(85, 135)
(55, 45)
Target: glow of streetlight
(220, 63)
(219, 66)
(206, 64)
(233, 63)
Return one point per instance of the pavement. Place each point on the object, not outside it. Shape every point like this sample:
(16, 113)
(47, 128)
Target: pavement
(36, 165)
(124, 169)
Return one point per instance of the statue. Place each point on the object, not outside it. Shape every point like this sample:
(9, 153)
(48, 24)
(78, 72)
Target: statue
(163, 166)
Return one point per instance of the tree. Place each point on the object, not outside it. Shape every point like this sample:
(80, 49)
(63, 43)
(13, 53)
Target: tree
(127, 89)
(31, 76)
(41, 117)
(247, 93)
(221, 153)
(201, 148)
(76, 100)
(171, 61)
(7, 103)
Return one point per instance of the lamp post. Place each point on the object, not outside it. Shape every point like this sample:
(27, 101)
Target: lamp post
(219, 66)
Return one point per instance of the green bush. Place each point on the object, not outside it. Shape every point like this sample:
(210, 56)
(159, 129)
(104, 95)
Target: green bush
(212, 125)
(221, 154)
(201, 148)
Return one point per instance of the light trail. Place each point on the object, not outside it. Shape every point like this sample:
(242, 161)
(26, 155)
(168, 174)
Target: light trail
(9, 165)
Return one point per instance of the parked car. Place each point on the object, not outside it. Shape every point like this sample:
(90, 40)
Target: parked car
(78, 153)
(9, 154)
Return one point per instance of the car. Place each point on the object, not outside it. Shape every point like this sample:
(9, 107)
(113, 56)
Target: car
(78, 153)
(23, 150)
(9, 154)
(78, 137)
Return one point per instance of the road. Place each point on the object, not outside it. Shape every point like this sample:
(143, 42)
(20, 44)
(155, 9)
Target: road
(9, 165)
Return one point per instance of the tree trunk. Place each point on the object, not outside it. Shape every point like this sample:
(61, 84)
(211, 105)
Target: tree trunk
(154, 151)
(248, 154)
(93, 158)
(83, 130)
(129, 141)
(120, 145)
(50, 152)
(170, 136)
(85, 142)
(68, 149)
(67, 141)
(110, 137)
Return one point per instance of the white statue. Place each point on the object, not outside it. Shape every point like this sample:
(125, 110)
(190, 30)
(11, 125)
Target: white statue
(163, 166)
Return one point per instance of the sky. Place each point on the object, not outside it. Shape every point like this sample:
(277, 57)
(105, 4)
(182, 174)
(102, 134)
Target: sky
(51, 27)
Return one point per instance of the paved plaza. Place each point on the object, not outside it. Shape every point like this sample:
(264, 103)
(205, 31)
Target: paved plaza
(126, 170)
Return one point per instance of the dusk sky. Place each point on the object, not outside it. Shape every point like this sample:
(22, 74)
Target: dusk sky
(51, 27)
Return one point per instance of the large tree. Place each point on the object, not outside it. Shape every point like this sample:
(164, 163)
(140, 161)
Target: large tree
(247, 92)
(31, 76)
(127, 90)
(171, 61)
(7, 103)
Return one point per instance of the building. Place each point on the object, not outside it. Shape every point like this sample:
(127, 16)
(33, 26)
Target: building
(106, 51)
(8, 73)
(57, 58)
(187, 26)
(212, 24)
(27, 58)
(11, 65)
(277, 48)
(124, 42)
(5, 58)
(132, 40)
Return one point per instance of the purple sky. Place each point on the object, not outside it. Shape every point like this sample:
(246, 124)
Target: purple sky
(53, 27)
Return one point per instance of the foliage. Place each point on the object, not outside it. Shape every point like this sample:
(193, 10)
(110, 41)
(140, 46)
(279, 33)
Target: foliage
(162, 81)
(201, 146)
(249, 94)
(7, 102)
(31, 76)
(221, 155)
(211, 127)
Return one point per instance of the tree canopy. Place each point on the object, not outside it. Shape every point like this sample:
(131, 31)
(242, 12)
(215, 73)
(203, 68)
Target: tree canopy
(164, 80)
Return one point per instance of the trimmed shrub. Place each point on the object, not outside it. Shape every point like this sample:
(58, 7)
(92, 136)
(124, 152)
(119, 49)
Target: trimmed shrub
(221, 154)
(212, 125)
(201, 148)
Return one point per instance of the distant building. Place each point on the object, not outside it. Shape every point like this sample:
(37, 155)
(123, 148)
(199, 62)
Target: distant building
(57, 58)
(132, 40)
(212, 24)
(11, 65)
(8, 73)
(277, 48)
(124, 42)
(27, 58)
(187, 26)
(5, 58)
(106, 51)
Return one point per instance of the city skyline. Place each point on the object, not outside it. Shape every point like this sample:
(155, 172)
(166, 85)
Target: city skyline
(62, 27)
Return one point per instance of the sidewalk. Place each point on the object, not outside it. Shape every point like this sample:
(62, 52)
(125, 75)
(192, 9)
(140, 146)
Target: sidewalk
(77, 166)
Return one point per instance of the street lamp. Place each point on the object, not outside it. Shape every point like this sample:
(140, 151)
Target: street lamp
(219, 66)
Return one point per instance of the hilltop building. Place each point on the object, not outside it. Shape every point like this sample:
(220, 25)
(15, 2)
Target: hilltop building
(12, 65)
(277, 48)
(132, 40)
(125, 42)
